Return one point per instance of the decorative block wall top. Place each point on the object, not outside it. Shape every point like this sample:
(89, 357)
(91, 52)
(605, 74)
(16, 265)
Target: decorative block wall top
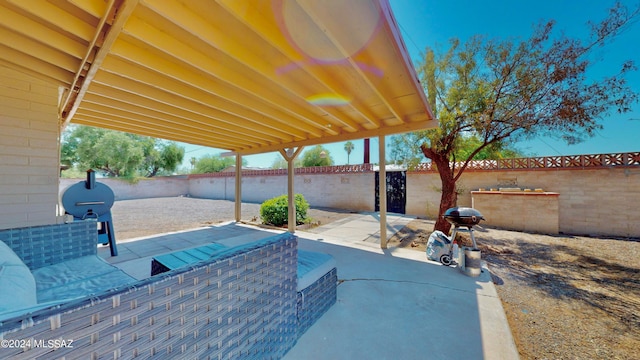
(573, 162)
(340, 169)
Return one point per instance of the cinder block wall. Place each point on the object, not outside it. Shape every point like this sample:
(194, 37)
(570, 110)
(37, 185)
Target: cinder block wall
(599, 201)
(165, 186)
(521, 211)
(29, 156)
(354, 191)
(595, 201)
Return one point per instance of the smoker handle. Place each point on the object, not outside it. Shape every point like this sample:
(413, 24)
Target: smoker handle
(85, 203)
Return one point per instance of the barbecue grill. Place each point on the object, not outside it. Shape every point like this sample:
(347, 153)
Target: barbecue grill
(463, 217)
(92, 200)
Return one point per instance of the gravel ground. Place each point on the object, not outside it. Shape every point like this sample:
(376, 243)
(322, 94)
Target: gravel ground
(143, 217)
(565, 297)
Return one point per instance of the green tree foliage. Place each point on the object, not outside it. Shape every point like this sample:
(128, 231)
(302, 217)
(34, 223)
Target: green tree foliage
(494, 151)
(280, 163)
(496, 91)
(160, 157)
(317, 156)
(275, 211)
(118, 154)
(405, 149)
(214, 163)
(348, 147)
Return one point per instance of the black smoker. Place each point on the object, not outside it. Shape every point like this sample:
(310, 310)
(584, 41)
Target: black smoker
(92, 200)
(467, 217)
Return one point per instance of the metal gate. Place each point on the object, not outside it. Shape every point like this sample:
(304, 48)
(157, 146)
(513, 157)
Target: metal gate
(396, 191)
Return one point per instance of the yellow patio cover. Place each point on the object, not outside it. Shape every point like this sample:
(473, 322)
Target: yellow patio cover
(249, 76)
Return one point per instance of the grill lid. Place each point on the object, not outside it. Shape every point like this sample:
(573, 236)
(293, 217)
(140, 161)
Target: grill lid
(88, 198)
(463, 216)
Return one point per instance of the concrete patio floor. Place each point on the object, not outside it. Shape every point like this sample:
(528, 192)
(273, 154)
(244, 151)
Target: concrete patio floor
(392, 304)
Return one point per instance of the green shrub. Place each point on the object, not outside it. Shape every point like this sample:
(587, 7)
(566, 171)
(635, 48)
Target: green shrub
(275, 211)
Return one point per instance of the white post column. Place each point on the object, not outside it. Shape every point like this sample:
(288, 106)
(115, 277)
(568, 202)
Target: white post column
(382, 185)
(290, 155)
(238, 187)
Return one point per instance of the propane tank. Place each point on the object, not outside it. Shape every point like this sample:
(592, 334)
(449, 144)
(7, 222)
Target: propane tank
(456, 251)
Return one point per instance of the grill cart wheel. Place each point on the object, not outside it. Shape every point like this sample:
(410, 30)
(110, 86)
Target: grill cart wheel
(445, 259)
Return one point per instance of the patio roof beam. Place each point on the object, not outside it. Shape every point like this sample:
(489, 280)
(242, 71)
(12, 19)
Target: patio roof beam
(216, 38)
(407, 127)
(96, 118)
(179, 94)
(97, 51)
(34, 66)
(160, 121)
(220, 95)
(45, 53)
(38, 31)
(238, 77)
(254, 21)
(199, 114)
(322, 23)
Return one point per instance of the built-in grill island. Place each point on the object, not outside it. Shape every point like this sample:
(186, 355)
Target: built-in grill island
(91, 200)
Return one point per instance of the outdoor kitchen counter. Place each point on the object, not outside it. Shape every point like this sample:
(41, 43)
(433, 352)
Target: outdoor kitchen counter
(530, 211)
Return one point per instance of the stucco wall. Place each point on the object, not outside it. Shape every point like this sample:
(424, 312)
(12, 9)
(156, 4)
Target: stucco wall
(29, 161)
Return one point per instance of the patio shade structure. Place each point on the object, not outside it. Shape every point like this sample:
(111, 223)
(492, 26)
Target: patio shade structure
(247, 76)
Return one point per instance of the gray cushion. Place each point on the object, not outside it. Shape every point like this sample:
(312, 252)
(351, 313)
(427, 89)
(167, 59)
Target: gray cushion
(17, 284)
(80, 277)
(312, 266)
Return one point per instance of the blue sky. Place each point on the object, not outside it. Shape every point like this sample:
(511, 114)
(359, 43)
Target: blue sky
(433, 22)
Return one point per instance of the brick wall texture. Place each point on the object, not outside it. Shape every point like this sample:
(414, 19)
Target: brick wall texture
(29, 161)
(600, 201)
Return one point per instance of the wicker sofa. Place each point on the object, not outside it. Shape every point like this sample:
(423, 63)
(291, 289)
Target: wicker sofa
(240, 304)
(316, 285)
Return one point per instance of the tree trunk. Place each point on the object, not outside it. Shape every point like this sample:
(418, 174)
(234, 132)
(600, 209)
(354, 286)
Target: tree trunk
(449, 196)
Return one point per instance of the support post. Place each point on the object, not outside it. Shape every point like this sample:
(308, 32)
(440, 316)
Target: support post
(290, 155)
(382, 185)
(238, 203)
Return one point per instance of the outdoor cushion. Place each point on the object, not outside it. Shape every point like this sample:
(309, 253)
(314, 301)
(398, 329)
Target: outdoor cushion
(17, 285)
(216, 250)
(178, 259)
(80, 277)
(312, 266)
(241, 240)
